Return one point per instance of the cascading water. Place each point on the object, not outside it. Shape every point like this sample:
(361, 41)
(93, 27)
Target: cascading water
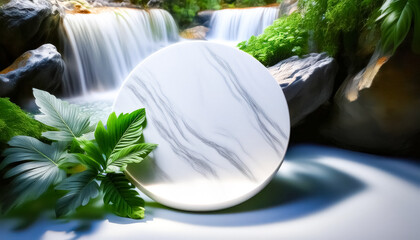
(101, 49)
(241, 24)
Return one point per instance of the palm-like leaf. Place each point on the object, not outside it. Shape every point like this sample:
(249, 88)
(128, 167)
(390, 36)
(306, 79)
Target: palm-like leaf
(119, 142)
(38, 167)
(127, 155)
(68, 119)
(122, 131)
(81, 188)
(94, 158)
(121, 196)
(398, 16)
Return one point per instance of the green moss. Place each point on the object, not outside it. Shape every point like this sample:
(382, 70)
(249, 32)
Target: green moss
(14, 121)
(284, 38)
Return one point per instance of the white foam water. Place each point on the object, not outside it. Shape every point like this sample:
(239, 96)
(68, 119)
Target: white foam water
(101, 49)
(240, 24)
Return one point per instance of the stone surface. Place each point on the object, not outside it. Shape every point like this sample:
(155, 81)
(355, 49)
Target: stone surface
(203, 18)
(195, 33)
(287, 7)
(307, 82)
(41, 68)
(25, 25)
(380, 115)
(154, 3)
(220, 120)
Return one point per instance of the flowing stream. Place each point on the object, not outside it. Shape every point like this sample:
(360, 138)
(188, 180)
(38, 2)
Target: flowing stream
(101, 49)
(240, 24)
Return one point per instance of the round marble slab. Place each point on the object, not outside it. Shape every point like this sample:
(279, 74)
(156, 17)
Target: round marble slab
(220, 119)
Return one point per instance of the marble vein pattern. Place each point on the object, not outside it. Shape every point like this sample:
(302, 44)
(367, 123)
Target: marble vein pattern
(220, 120)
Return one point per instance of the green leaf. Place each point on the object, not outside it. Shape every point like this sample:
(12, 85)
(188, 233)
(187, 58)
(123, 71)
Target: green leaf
(397, 18)
(131, 154)
(94, 156)
(121, 196)
(81, 188)
(68, 119)
(71, 161)
(88, 161)
(416, 38)
(38, 167)
(121, 132)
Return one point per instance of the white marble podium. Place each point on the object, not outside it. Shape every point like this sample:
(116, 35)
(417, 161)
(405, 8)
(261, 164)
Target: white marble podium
(220, 119)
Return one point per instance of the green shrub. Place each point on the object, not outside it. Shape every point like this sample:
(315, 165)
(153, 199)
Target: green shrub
(326, 26)
(398, 18)
(284, 38)
(14, 121)
(331, 20)
(184, 11)
(250, 3)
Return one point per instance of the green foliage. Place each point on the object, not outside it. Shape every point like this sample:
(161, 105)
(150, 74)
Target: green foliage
(120, 141)
(81, 188)
(36, 166)
(68, 119)
(320, 26)
(184, 11)
(120, 195)
(330, 20)
(14, 122)
(250, 3)
(284, 38)
(398, 17)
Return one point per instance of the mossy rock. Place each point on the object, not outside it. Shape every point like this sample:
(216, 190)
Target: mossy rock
(14, 121)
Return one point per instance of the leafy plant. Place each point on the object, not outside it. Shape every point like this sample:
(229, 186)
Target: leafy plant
(319, 26)
(68, 119)
(38, 167)
(35, 166)
(398, 17)
(333, 22)
(284, 38)
(183, 11)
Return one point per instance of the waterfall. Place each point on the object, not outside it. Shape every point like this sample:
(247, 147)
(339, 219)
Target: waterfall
(241, 24)
(101, 49)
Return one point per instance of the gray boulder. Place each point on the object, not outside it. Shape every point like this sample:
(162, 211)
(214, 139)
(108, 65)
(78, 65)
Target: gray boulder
(41, 68)
(307, 82)
(25, 25)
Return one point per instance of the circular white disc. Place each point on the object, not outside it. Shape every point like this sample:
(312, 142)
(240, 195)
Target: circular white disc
(220, 119)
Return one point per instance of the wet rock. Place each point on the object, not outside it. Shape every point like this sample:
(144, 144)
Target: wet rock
(203, 18)
(195, 33)
(154, 3)
(377, 110)
(307, 82)
(287, 7)
(25, 25)
(41, 68)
